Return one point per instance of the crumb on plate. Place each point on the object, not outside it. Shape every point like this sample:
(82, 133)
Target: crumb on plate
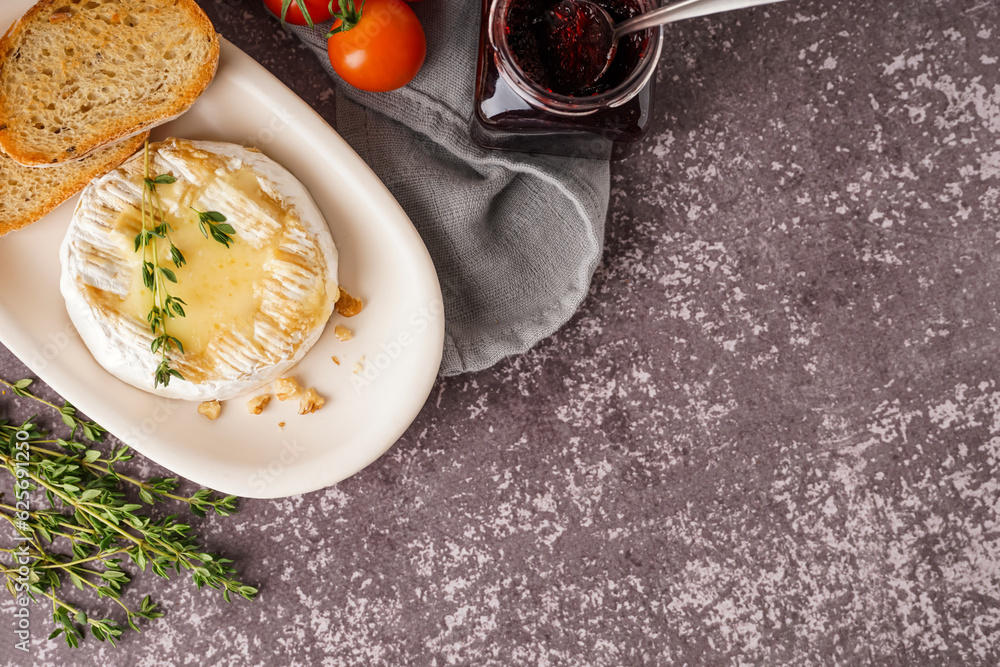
(286, 388)
(347, 305)
(310, 402)
(210, 409)
(343, 333)
(257, 404)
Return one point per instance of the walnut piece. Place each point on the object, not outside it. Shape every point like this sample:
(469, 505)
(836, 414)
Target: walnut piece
(286, 388)
(257, 404)
(347, 305)
(343, 333)
(310, 402)
(210, 409)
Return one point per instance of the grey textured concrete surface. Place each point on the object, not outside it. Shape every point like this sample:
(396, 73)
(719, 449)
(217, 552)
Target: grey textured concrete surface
(771, 435)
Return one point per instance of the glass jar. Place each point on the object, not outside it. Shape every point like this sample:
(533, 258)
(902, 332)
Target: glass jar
(513, 112)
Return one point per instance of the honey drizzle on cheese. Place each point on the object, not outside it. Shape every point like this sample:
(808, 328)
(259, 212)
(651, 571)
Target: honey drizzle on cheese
(221, 286)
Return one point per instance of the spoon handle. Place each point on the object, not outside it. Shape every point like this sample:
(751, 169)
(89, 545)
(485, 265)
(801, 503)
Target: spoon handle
(686, 9)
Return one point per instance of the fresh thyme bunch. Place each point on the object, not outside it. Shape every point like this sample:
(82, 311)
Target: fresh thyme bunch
(89, 511)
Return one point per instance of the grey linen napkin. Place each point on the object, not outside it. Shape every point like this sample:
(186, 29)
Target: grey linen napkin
(515, 237)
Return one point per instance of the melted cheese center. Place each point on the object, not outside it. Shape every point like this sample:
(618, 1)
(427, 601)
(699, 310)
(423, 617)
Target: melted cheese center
(221, 287)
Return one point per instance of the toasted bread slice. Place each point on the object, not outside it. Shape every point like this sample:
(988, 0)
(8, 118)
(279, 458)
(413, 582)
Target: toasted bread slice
(78, 74)
(28, 193)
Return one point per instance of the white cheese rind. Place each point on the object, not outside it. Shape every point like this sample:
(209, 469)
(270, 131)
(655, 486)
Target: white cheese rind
(92, 257)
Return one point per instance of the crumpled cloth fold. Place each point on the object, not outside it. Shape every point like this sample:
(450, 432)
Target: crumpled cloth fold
(515, 238)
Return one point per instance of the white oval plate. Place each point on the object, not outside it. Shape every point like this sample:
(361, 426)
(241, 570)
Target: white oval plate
(400, 332)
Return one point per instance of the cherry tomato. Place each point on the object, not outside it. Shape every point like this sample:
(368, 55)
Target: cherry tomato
(383, 49)
(319, 10)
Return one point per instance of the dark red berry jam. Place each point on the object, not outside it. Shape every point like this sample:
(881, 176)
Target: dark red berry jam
(557, 44)
(576, 43)
(523, 103)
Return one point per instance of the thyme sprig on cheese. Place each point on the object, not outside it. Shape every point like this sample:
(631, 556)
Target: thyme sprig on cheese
(156, 277)
(213, 225)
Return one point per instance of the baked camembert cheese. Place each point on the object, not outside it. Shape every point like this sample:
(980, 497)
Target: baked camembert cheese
(252, 310)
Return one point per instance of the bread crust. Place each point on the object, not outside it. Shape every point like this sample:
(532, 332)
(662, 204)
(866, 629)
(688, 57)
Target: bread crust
(70, 178)
(128, 124)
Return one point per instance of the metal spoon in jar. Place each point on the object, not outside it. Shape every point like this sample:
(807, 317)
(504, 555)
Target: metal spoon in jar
(581, 37)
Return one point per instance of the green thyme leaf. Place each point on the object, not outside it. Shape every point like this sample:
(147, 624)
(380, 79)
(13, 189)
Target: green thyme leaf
(168, 274)
(210, 224)
(177, 257)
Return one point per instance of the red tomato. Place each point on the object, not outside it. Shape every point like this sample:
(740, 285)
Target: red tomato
(318, 10)
(383, 50)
